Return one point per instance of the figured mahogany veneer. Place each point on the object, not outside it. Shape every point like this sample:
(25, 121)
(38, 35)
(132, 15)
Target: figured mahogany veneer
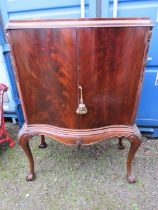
(55, 60)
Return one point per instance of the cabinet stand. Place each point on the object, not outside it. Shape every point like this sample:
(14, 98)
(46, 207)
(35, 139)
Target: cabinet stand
(88, 136)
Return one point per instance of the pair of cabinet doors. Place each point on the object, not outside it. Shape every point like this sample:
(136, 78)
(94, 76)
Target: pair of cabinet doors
(52, 63)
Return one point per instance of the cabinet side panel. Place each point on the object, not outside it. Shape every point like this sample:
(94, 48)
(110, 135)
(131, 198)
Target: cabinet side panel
(110, 70)
(46, 69)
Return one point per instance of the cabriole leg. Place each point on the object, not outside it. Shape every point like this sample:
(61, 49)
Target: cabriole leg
(24, 143)
(120, 145)
(135, 143)
(43, 144)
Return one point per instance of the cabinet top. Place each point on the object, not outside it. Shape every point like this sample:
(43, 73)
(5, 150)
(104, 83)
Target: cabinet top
(83, 22)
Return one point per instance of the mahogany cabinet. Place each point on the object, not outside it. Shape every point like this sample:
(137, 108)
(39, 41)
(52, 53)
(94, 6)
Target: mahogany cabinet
(79, 80)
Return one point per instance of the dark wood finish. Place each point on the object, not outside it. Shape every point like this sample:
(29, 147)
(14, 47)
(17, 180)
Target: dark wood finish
(120, 144)
(82, 22)
(46, 61)
(110, 74)
(43, 144)
(78, 137)
(56, 61)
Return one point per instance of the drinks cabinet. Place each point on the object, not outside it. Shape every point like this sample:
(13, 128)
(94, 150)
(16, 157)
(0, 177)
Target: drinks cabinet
(79, 80)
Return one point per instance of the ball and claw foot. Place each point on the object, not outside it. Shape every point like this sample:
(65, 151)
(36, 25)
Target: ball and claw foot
(30, 177)
(43, 145)
(120, 145)
(131, 179)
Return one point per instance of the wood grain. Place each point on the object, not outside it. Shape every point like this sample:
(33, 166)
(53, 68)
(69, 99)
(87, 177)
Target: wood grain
(52, 58)
(46, 68)
(110, 69)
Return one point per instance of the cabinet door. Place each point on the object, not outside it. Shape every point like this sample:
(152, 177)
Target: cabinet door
(46, 68)
(110, 68)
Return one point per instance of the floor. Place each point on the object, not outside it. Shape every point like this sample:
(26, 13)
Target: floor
(89, 178)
